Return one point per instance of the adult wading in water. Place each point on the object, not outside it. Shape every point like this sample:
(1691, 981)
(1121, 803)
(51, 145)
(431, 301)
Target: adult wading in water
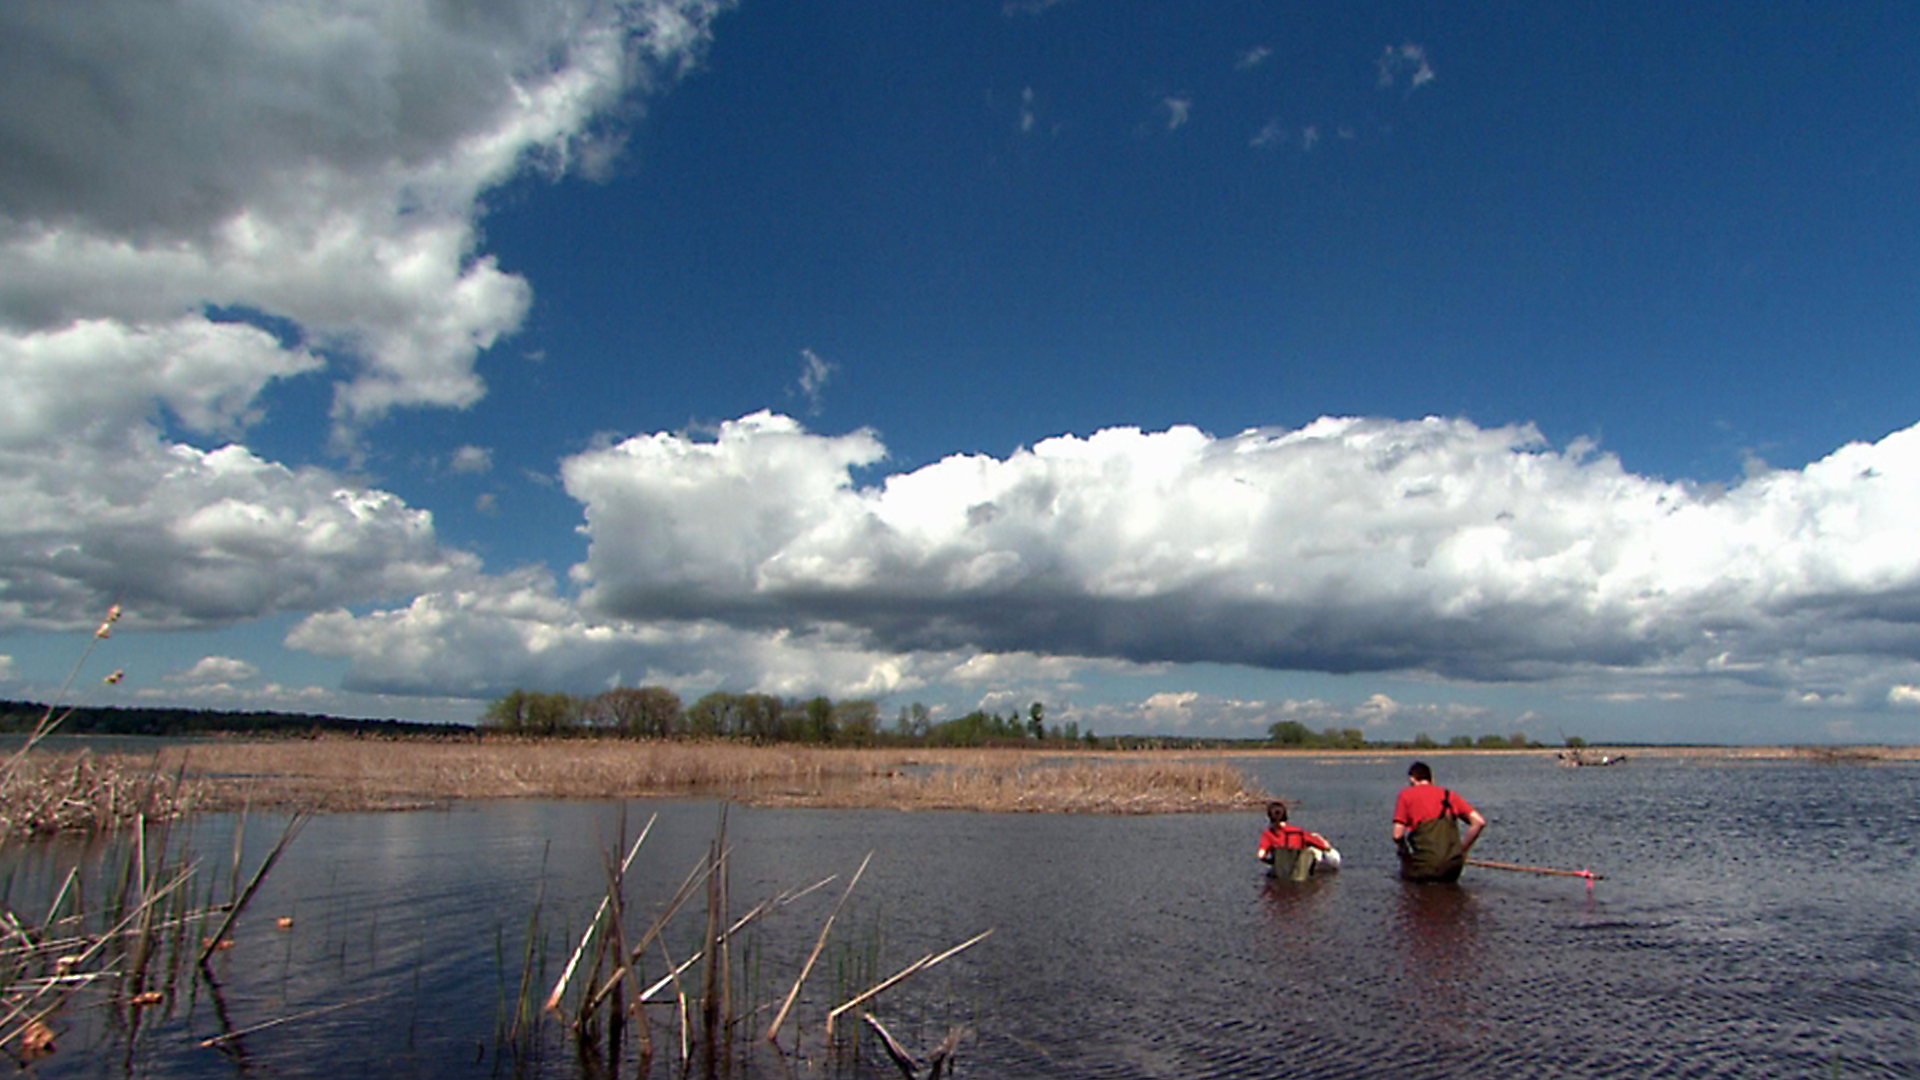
(1426, 828)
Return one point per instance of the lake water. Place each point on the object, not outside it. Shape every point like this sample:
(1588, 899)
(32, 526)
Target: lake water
(1755, 920)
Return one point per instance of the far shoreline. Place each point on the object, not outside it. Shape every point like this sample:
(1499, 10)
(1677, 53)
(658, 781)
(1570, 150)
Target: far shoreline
(76, 790)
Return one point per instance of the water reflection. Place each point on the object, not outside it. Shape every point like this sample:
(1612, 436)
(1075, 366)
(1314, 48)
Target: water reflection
(1439, 930)
(1292, 906)
(1438, 935)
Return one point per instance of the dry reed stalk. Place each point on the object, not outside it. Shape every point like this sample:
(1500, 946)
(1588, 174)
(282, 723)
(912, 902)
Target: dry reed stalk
(681, 1014)
(18, 1004)
(762, 908)
(900, 976)
(773, 1030)
(294, 824)
(712, 981)
(902, 1057)
(694, 879)
(54, 716)
(229, 1036)
(599, 916)
(645, 1034)
(616, 908)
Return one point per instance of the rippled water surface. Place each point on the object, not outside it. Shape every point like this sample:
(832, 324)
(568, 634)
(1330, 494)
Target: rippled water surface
(1755, 920)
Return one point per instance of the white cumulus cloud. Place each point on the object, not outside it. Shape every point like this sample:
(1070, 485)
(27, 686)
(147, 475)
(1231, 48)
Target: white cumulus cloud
(757, 556)
(1348, 545)
(185, 537)
(516, 631)
(201, 199)
(1190, 712)
(471, 460)
(216, 670)
(317, 161)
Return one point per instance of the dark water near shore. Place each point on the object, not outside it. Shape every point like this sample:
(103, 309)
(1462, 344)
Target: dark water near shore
(1756, 920)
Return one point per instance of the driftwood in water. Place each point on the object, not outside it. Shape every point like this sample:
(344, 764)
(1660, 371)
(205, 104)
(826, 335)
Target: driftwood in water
(903, 1060)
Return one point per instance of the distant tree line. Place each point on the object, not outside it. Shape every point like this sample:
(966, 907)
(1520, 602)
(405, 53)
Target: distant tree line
(655, 712)
(1295, 733)
(1516, 741)
(19, 717)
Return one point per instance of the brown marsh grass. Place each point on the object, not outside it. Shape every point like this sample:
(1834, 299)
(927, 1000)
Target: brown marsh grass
(370, 774)
(47, 792)
(1013, 781)
(43, 794)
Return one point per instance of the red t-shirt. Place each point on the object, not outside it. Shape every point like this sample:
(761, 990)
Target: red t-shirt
(1289, 838)
(1422, 802)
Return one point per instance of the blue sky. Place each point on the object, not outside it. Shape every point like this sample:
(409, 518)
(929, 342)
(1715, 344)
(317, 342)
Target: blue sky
(1411, 367)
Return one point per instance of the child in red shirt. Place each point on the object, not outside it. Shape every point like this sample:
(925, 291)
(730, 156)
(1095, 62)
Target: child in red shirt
(1291, 850)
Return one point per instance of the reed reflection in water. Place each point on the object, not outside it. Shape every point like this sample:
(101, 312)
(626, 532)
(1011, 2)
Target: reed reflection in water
(1755, 921)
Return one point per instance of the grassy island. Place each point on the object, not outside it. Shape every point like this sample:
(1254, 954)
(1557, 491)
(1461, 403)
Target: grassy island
(46, 791)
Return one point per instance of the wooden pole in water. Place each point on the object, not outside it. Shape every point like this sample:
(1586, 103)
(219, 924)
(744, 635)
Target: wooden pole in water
(1588, 874)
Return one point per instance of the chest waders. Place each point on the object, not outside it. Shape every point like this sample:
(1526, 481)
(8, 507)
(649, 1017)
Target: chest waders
(1293, 864)
(1431, 851)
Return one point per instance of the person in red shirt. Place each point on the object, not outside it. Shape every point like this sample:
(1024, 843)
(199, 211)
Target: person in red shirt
(1426, 828)
(1290, 850)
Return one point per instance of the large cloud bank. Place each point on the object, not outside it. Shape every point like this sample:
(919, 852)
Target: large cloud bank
(1348, 545)
(200, 199)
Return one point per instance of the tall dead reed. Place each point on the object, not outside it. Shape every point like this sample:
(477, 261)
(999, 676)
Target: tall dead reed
(132, 937)
(711, 1020)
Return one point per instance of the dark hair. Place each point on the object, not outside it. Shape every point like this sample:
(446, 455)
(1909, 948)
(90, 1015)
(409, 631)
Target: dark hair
(1276, 811)
(1419, 771)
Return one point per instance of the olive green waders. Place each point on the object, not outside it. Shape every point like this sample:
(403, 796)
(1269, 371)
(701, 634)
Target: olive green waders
(1290, 863)
(1431, 851)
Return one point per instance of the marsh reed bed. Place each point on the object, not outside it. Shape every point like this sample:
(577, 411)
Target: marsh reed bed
(44, 794)
(346, 774)
(1017, 782)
